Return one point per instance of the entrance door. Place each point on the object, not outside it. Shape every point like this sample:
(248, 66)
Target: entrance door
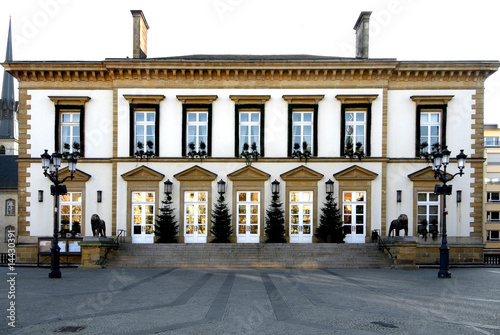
(143, 217)
(195, 217)
(248, 217)
(301, 222)
(354, 214)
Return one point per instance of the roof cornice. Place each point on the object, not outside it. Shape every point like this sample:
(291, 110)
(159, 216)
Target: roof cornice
(166, 70)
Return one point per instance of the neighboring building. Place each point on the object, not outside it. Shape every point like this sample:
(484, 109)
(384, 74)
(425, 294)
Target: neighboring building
(9, 134)
(387, 106)
(8, 153)
(492, 189)
(8, 198)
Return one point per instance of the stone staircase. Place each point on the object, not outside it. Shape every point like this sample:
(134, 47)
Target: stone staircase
(248, 256)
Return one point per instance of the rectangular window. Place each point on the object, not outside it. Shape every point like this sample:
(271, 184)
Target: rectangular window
(356, 120)
(143, 217)
(354, 215)
(493, 235)
(10, 207)
(302, 129)
(197, 130)
(428, 212)
(493, 197)
(493, 216)
(197, 121)
(249, 129)
(301, 215)
(70, 131)
(70, 212)
(490, 141)
(69, 134)
(248, 213)
(195, 215)
(431, 128)
(144, 128)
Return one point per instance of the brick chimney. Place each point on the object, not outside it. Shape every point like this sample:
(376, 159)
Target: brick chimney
(362, 28)
(140, 34)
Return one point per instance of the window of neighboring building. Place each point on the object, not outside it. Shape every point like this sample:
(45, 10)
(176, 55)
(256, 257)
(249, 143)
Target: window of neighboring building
(493, 197)
(303, 129)
(491, 141)
(356, 124)
(493, 178)
(428, 212)
(2, 150)
(493, 235)
(69, 129)
(493, 216)
(10, 207)
(249, 128)
(144, 128)
(70, 212)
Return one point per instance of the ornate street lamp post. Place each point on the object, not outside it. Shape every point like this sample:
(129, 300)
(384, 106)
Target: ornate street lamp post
(50, 166)
(443, 159)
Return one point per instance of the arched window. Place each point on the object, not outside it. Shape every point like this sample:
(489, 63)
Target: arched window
(2, 150)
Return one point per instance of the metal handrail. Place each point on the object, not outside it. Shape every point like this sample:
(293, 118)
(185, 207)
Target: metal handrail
(115, 246)
(382, 246)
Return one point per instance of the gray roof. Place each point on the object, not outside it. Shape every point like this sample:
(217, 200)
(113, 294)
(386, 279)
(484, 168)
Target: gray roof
(8, 172)
(251, 58)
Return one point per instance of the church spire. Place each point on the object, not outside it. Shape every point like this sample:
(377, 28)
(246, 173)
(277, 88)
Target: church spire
(8, 105)
(8, 80)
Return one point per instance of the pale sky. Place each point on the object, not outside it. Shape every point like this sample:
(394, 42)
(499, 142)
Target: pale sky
(402, 29)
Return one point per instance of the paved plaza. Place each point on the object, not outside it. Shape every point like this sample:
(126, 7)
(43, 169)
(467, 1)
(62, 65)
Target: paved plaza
(252, 301)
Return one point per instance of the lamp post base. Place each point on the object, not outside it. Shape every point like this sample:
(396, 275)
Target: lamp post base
(55, 274)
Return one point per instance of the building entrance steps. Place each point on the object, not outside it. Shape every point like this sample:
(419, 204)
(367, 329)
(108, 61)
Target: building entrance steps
(311, 255)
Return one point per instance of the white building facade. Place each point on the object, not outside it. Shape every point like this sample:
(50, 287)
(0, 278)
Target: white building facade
(331, 104)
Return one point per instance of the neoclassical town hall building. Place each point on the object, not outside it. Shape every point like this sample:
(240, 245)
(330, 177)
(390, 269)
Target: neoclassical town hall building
(140, 122)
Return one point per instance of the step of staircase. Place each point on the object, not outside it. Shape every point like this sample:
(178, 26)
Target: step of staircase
(317, 255)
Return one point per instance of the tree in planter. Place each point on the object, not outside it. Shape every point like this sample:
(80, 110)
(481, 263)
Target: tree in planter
(275, 221)
(166, 226)
(221, 222)
(331, 228)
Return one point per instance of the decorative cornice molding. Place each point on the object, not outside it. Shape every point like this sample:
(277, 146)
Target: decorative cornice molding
(250, 99)
(273, 72)
(143, 99)
(303, 99)
(432, 99)
(356, 99)
(69, 100)
(197, 99)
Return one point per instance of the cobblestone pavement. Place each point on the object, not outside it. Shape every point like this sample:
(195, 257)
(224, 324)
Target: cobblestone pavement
(251, 301)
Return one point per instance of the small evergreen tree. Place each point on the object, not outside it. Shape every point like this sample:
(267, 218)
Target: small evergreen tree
(222, 228)
(166, 226)
(275, 222)
(331, 226)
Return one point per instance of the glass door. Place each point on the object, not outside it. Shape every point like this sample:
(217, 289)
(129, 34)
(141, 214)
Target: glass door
(248, 217)
(354, 214)
(301, 222)
(195, 217)
(143, 217)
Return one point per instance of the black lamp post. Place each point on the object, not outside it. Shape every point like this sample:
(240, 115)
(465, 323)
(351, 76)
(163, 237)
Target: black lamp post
(221, 188)
(167, 189)
(329, 189)
(50, 166)
(443, 159)
(275, 189)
